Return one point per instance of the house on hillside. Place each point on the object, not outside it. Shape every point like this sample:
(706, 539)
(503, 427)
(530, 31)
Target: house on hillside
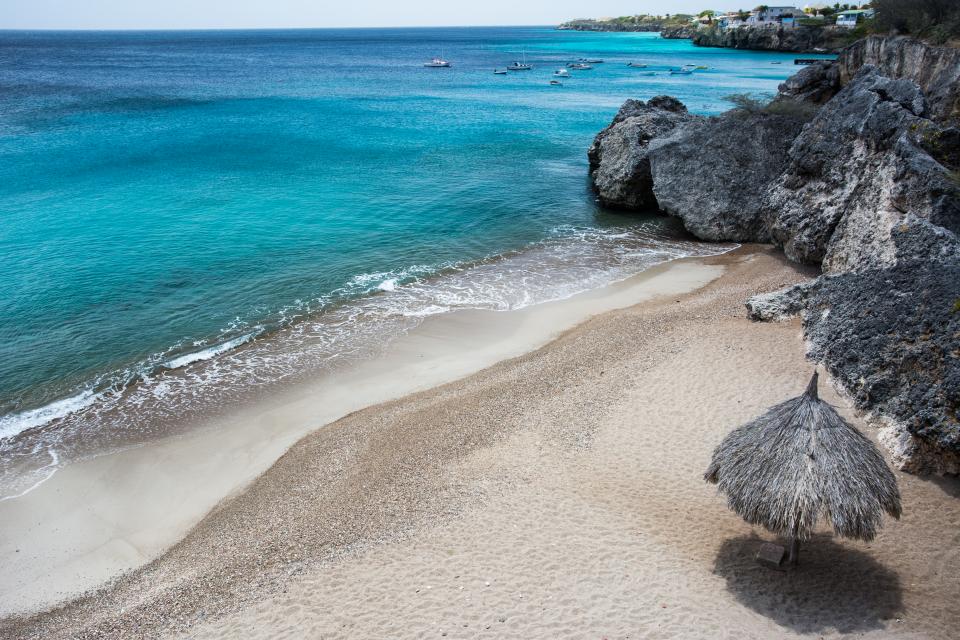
(851, 18)
(730, 20)
(767, 15)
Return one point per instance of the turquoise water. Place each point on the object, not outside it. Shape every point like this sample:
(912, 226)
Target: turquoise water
(185, 216)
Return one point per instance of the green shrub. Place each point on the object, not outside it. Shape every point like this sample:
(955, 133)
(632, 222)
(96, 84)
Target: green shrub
(753, 104)
(746, 102)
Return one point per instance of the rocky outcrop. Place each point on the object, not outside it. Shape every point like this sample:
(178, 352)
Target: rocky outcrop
(712, 173)
(855, 172)
(778, 306)
(619, 166)
(813, 84)
(802, 39)
(678, 33)
(889, 336)
(869, 190)
(936, 70)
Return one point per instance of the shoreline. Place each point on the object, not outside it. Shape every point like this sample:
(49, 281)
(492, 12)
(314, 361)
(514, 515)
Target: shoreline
(114, 529)
(174, 390)
(555, 494)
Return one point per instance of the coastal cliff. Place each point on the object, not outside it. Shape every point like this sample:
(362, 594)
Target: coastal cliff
(772, 37)
(685, 32)
(853, 167)
(800, 39)
(936, 70)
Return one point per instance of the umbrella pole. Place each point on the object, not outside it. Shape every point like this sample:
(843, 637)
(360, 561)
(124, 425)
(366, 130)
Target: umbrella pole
(794, 551)
(794, 556)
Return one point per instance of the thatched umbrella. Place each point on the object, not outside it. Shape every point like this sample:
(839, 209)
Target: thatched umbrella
(800, 461)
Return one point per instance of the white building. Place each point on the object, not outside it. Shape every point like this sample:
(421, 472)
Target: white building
(772, 14)
(849, 19)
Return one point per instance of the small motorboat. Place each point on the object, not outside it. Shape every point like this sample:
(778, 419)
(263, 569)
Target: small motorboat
(437, 63)
(556, 83)
(591, 60)
(562, 73)
(579, 66)
(681, 72)
(499, 72)
(637, 65)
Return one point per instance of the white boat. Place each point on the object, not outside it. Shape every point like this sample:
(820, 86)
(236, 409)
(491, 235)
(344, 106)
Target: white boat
(438, 62)
(681, 72)
(562, 73)
(517, 65)
(592, 60)
(579, 66)
(637, 65)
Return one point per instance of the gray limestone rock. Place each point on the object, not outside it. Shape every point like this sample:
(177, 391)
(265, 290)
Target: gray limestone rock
(711, 173)
(855, 172)
(619, 167)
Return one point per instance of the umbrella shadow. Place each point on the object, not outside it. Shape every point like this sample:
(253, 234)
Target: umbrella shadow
(834, 586)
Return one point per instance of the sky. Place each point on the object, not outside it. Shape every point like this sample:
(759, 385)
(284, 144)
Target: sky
(231, 14)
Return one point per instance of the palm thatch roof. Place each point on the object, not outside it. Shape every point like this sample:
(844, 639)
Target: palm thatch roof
(801, 461)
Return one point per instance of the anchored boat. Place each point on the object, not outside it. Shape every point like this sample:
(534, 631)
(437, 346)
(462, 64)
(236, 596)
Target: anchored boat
(521, 65)
(437, 63)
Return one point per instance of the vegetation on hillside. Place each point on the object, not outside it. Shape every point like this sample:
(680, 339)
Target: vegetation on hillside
(641, 21)
(934, 20)
(763, 103)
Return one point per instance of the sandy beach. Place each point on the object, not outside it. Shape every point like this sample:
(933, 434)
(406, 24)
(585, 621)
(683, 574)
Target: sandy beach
(555, 494)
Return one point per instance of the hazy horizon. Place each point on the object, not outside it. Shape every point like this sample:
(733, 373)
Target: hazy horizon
(302, 14)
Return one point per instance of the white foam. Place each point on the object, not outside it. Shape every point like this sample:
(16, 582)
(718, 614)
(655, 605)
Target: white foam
(208, 353)
(42, 471)
(12, 424)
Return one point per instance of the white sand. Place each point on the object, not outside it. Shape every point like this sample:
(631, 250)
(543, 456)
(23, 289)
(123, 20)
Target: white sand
(555, 495)
(98, 518)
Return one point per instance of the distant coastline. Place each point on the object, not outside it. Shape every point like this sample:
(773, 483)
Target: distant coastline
(764, 36)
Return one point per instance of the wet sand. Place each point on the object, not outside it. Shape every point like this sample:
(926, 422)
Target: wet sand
(558, 494)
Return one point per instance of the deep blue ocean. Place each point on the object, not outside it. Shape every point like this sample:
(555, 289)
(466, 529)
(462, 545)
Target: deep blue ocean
(185, 216)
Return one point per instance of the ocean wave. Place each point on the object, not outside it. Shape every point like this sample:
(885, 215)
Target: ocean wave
(208, 353)
(358, 320)
(15, 423)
